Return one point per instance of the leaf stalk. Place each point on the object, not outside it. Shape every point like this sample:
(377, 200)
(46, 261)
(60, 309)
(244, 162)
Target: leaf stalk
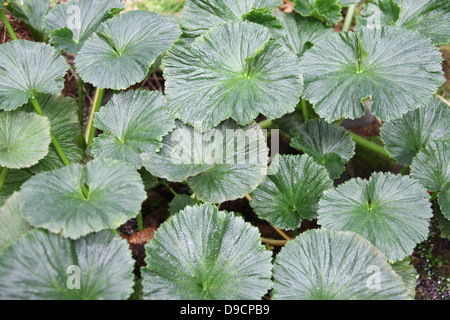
(3, 174)
(90, 129)
(7, 25)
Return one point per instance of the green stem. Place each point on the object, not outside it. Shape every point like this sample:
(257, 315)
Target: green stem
(404, 171)
(265, 124)
(7, 25)
(304, 109)
(80, 102)
(349, 18)
(140, 221)
(3, 175)
(55, 142)
(369, 145)
(167, 185)
(434, 196)
(90, 129)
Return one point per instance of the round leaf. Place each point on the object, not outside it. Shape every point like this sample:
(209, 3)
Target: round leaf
(224, 163)
(431, 167)
(392, 212)
(55, 201)
(121, 51)
(396, 67)
(327, 143)
(133, 122)
(62, 113)
(334, 265)
(404, 137)
(24, 139)
(430, 18)
(12, 225)
(45, 266)
(70, 24)
(326, 10)
(201, 15)
(302, 33)
(292, 193)
(27, 68)
(234, 71)
(203, 253)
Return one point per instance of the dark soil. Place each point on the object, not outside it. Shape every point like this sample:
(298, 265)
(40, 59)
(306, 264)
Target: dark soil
(431, 258)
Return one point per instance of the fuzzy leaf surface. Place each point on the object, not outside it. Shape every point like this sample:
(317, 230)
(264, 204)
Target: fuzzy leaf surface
(54, 200)
(405, 137)
(52, 261)
(234, 71)
(32, 13)
(205, 254)
(333, 265)
(24, 139)
(69, 33)
(396, 67)
(122, 50)
(392, 212)
(328, 11)
(292, 193)
(133, 122)
(27, 68)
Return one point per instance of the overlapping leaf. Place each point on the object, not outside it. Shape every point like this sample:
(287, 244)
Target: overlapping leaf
(55, 200)
(326, 10)
(71, 23)
(96, 267)
(203, 253)
(12, 225)
(32, 13)
(431, 166)
(133, 122)
(406, 136)
(392, 212)
(265, 18)
(121, 51)
(444, 201)
(201, 15)
(334, 265)
(234, 71)
(292, 193)
(221, 164)
(24, 139)
(13, 182)
(62, 113)
(301, 32)
(431, 18)
(396, 67)
(327, 143)
(27, 68)
(180, 202)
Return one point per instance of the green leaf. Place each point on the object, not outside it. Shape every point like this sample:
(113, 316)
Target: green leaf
(32, 13)
(201, 15)
(45, 266)
(27, 68)
(24, 139)
(326, 10)
(289, 123)
(400, 73)
(12, 225)
(406, 270)
(205, 254)
(149, 180)
(442, 213)
(133, 122)
(70, 24)
(265, 18)
(327, 143)
(180, 202)
(431, 166)
(121, 51)
(302, 32)
(13, 182)
(234, 71)
(444, 200)
(392, 212)
(63, 116)
(292, 193)
(430, 18)
(224, 163)
(55, 201)
(347, 3)
(334, 265)
(405, 137)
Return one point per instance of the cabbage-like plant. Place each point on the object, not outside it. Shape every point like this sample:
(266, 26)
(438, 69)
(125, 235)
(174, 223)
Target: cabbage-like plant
(232, 70)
